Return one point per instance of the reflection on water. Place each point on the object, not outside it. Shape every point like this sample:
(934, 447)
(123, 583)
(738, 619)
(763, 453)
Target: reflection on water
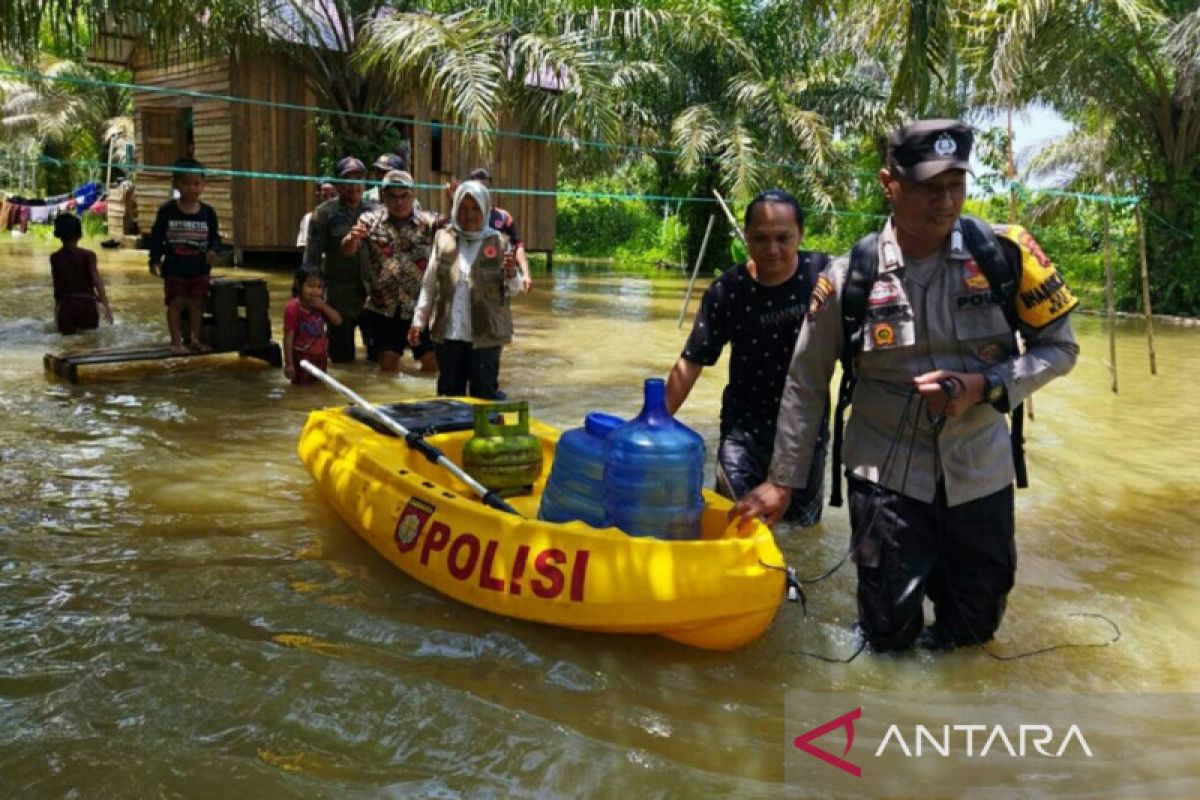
(181, 614)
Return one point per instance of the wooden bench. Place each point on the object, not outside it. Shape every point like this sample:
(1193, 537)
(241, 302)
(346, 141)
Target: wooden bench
(224, 328)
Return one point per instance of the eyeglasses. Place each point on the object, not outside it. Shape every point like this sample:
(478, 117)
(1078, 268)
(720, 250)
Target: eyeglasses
(397, 196)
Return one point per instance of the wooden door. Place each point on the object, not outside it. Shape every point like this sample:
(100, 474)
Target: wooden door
(164, 136)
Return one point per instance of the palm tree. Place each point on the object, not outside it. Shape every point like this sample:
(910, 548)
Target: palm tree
(73, 111)
(1126, 73)
(322, 39)
(766, 110)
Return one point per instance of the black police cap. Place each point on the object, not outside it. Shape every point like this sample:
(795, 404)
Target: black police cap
(929, 147)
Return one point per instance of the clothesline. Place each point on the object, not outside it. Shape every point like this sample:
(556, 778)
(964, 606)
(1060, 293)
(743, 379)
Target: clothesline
(17, 212)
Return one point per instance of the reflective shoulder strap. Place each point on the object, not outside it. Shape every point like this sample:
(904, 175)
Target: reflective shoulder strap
(864, 265)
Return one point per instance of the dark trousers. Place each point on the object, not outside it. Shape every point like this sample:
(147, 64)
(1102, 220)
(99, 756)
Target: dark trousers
(742, 464)
(464, 369)
(963, 557)
(341, 341)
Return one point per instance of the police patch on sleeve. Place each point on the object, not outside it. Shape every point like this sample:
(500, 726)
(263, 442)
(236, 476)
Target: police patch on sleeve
(1043, 296)
(820, 295)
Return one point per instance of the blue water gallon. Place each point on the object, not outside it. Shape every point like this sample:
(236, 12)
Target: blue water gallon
(575, 488)
(653, 472)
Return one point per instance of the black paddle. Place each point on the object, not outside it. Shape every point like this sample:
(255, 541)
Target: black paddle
(413, 440)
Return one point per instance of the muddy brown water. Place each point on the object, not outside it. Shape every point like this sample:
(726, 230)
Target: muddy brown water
(180, 613)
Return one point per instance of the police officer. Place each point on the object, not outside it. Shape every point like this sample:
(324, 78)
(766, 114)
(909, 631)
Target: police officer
(329, 226)
(927, 449)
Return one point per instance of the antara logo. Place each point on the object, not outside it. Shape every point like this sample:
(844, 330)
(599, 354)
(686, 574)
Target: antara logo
(971, 741)
(804, 742)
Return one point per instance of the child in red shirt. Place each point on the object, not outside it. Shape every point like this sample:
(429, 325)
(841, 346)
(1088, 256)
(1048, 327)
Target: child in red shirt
(78, 290)
(304, 333)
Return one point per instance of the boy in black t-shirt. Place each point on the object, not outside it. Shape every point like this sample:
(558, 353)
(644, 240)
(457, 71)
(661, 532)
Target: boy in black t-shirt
(184, 241)
(758, 308)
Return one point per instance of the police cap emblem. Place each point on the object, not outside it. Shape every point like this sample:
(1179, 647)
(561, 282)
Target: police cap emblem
(945, 145)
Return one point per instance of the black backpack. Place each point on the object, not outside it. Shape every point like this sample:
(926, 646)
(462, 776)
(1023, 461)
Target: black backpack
(999, 260)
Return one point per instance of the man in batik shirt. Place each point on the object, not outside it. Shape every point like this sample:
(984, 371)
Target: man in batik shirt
(399, 238)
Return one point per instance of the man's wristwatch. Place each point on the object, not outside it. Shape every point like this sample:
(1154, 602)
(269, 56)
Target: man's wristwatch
(994, 392)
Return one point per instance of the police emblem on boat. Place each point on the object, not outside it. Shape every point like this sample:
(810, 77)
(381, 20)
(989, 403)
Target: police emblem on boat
(411, 524)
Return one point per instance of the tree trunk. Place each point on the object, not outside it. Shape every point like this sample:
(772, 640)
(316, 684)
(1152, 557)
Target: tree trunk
(1173, 239)
(695, 217)
(56, 177)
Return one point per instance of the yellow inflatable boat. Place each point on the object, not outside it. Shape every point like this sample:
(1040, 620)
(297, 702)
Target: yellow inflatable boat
(718, 593)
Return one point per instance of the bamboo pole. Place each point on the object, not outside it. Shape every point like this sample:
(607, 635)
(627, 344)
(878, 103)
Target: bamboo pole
(1012, 220)
(732, 220)
(1137, 211)
(1012, 170)
(696, 270)
(1108, 294)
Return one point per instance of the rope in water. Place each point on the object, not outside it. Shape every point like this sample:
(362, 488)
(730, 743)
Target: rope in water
(907, 418)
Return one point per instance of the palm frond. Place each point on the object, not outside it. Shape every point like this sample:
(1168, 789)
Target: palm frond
(455, 59)
(740, 162)
(581, 98)
(1182, 48)
(694, 133)
(630, 75)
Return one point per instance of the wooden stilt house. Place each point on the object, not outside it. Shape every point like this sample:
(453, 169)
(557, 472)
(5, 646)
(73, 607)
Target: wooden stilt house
(263, 214)
(255, 213)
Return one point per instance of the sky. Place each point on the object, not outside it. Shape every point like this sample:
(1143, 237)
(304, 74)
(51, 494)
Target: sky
(1034, 127)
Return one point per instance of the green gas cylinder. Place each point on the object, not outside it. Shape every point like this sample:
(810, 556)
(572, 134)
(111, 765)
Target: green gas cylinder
(505, 458)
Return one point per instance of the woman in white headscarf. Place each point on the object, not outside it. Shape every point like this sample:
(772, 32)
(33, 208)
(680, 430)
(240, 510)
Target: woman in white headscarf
(465, 297)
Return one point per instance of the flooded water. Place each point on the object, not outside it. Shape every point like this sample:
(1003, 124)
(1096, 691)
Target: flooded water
(180, 614)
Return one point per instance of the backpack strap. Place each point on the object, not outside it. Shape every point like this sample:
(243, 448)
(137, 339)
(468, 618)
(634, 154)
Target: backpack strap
(999, 260)
(864, 266)
(999, 264)
(814, 265)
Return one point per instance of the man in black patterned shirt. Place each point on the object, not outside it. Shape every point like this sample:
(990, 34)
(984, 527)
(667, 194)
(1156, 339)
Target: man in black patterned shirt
(758, 308)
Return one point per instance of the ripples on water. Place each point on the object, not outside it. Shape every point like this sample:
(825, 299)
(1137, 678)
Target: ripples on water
(183, 615)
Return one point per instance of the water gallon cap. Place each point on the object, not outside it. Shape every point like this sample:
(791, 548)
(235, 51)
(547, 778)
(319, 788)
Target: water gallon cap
(600, 424)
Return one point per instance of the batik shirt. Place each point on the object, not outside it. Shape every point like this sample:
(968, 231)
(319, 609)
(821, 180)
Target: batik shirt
(397, 254)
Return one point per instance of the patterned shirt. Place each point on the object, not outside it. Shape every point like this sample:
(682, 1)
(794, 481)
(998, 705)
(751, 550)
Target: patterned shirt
(761, 324)
(181, 241)
(397, 254)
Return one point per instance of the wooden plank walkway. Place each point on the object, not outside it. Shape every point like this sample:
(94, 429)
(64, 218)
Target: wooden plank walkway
(67, 365)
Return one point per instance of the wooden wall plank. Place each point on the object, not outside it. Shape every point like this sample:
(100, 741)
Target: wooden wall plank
(211, 134)
(272, 140)
(260, 213)
(514, 162)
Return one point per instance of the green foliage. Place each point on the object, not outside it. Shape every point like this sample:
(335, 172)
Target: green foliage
(738, 96)
(629, 231)
(334, 143)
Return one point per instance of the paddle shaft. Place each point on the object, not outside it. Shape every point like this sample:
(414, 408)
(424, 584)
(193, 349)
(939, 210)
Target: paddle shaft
(413, 440)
